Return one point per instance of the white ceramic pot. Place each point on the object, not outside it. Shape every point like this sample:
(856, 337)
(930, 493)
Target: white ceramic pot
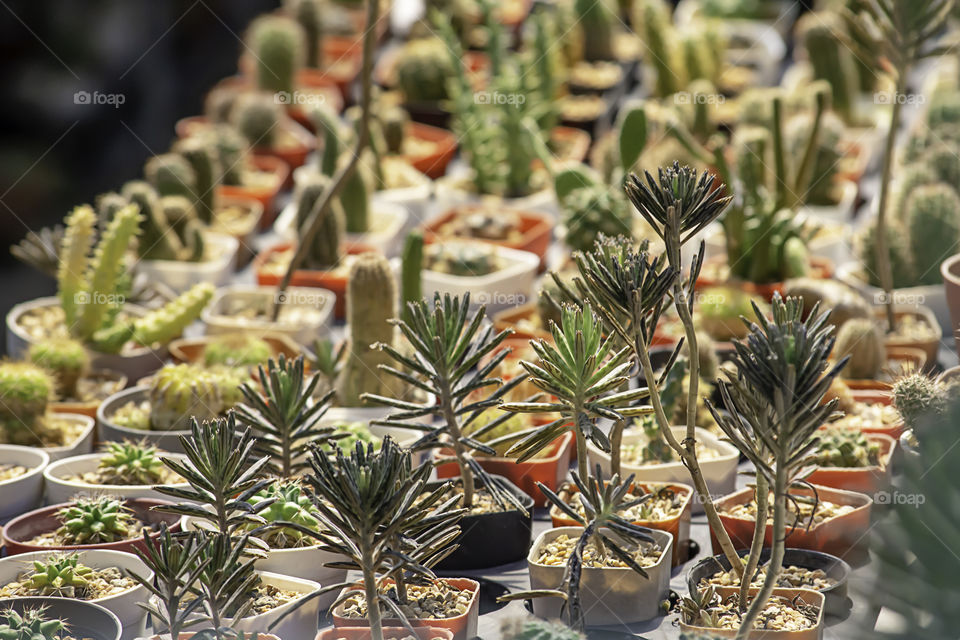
(449, 194)
(59, 489)
(181, 275)
(123, 605)
(302, 623)
(108, 431)
(220, 315)
(720, 473)
(610, 595)
(23, 493)
(84, 442)
(389, 222)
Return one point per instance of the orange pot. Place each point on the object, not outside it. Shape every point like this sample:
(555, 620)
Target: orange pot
(868, 480)
(802, 595)
(575, 141)
(190, 350)
(871, 396)
(432, 164)
(90, 408)
(902, 358)
(338, 77)
(930, 346)
(820, 268)
(836, 536)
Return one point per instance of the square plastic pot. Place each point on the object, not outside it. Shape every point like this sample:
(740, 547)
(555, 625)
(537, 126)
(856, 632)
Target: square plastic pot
(180, 275)
(389, 633)
(220, 315)
(388, 219)
(868, 480)
(23, 493)
(610, 595)
(800, 595)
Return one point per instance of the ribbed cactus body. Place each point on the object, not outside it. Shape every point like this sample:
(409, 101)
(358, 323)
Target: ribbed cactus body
(309, 15)
(169, 321)
(596, 20)
(751, 145)
(325, 251)
(278, 46)
(257, 117)
(827, 153)
(901, 262)
(653, 16)
(156, 240)
(592, 210)
(65, 358)
(180, 392)
(862, 340)
(832, 60)
(25, 389)
(423, 68)
(394, 122)
(411, 277)
(908, 178)
(71, 273)
(204, 160)
(917, 396)
(171, 175)
(128, 463)
(933, 219)
(95, 521)
(371, 303)
(356, 195)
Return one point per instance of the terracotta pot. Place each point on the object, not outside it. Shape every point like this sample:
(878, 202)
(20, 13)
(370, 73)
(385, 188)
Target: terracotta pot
(389, 633)
(678, 526)
(899, 358)
(432, 164)
(873, 396)
(868, 480)
(89, 408)
(335, 281)
(950, 270)
(33, 523)
(576, 141)
(930, 346)
(265, 195)
(803, 595)
(836, 536)
(462, 627)
(191, 349)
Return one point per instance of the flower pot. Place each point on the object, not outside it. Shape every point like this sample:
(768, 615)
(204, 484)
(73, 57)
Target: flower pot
(60, 489)
(931, 296)
(820, 268)
(678, 526)
(83, 443)
(133, 362)
(491, 539)
(524, 320)
(86, 620)
(719, 473)
(333, 281)
(550, 470)
(432, 164)
(573, 142)
(186, 635)
(610, 595)
(535, 228)
(191, 350)
(124, 605)
(929, 345)
(264, 194)
(874, 396)
(180, 275)
(109, 431)
(805, 596)
(950, 271)
(389, 633)
(89, 407)
(835, 597)
(841, 211)
(463, 627)
(868, 480)
(18, 531)
(899, 360)
(836, 536)
(25, 492)
(388, 221)
(242, 227)
(450, 192)
(314, 307)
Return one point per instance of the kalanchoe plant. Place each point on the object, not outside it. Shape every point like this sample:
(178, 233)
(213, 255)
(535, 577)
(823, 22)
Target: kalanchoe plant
(94, 521)
(449, 346)
(284, 416)
(609, 532)
(328, 362)
(227, 583)
(130, 463)
(774, 406)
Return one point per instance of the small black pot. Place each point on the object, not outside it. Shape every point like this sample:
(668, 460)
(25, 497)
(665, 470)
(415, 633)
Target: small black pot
(492, 539)
(836, 602)
(85, 619)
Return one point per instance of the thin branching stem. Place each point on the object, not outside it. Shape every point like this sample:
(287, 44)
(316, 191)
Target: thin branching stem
(881, 249)
(756, 545)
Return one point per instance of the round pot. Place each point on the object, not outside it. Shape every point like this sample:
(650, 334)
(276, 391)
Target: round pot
(86, 620)
(124, 605)
(59, 489)
(108, 431)
(610, 595)
(433, 164)
(33, 523)
(180, 275)
(90, 407)
(21, 494)
(84, 442)
(221, 316)
(836, 601)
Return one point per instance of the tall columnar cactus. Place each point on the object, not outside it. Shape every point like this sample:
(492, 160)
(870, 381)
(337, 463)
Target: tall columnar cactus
(257, 116)
(356, 194)
(832, 60)
(394, 121)
(66, 358)
(163, 324)
(827, 153)
(171, 175)
(71, 274)
(411, 270)
(156, 243)
(933, 221)
(326, 249)
(205, 162)
(862, 340)
(278, 45)
(910, 177)
(653, 18)
(309, 15)
(25, 391)
(423, 69)
(95, 521)
(371, 304)
(596, 19)
(751, 145)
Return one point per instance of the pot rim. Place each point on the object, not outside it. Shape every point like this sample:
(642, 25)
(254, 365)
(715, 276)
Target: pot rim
(49, 473)
(32, 471)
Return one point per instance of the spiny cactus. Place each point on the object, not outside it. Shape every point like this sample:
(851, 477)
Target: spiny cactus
(594, 210)
(231, 149)
(66, 358)
(356, 194)
(290, 503)
(901, 261)
(163, 324)
(832, 60)
(219, 103)
(423, 69)
(237, 350)
(31, 624)
(95, 521)
(933, 220)
(309, 15)
(393, 121)
(827, 156)
(908, 178)
(653, 18)
(411, 270)
(862, 340)
(596, 21)
(751, 145)
(171, 175)
(155, 241)
(916, 396)
(846, 448)
(25, 391)
(257, 116)
(371, 304)
(943, 163)
(131, 463)
(59, 575)
(204, 160)
(183, 391)
(326, 250)
(278, 45)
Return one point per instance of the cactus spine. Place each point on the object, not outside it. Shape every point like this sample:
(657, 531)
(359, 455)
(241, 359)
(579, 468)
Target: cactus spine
(933, 219)
(862, 340)
(917, 396)
(29, 625)
(66, 358)
(279, 44)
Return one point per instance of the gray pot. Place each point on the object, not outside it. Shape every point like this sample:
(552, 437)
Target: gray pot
(86, 620)
(611, 595)
(108, 431)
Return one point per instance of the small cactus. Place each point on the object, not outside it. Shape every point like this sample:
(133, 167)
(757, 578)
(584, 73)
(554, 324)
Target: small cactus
(290, 504)
(423, 68)
(278, 45)
(832, 60)
(219, 103)
(131, 464)
(58, 575)
(916, 396)
(411, 270)
(594, 210)
(862, 340)
(596, 19)
(95, 521)
(204, 160)
(237, 350)
(309, 15)
(31, 624)
(846, 448)
(163, 324)
(326, 250)
(25, 391)
(394, 121)
(66, 358)
(171, 175)
(827, 154)
(257, 116)
(908, 178)
(356, 194)
(535, 629)
(933, 220)
(653, 18)
(183, 391)
(231, 149)
(901, 262)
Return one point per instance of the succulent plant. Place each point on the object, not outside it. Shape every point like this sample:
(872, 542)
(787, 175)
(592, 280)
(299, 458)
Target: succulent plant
(593, 210)
(844, 302)
(230, 149)
(278, 46)
(130, 463)
(933, 221)
(205, 161)
(898, 254)
(535, 629)
(393, 121)
(653, 18)
(95, 520)
(596, 21)
(917, 396)
(258, 116)
(862, 341)
(236, 350)
(286, 502)
(66, 358)
(59, 575)
(31, 624)
(423, 70)
(328, 362)
(827, 153)
(309, 14)
(40, 249)
(411, 270)
(180, 392)
(25, 391)
(326, 249)
(171, 175)
(163, 324)
(832, 60)
(846, 448)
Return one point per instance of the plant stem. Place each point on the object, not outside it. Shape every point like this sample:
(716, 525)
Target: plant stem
(778, 542)
(466, 475)
(616, 439)
(372, 595)
(762, 495)
(583, 468)
(881, 251)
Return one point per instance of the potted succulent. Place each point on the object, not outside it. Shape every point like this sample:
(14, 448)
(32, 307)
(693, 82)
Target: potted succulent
(46, 618)
(717, 613)
(21, 479)
(304, 312)
(90, 303)
(853, 461)
(916, 397)
(97, 576)
(123, 469)
(79, 389)
(233, 349)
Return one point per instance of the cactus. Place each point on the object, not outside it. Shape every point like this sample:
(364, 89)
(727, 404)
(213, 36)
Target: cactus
(827, 154)
(846, 448)
(237, 350)
(163, 324)
(832, 60)
(205, 162)
(219, 103)
(356, 194)
(862, 340)
(309, 15)
(901, 261)
(177, 218)
(944, 109)
(58, 575)
(371, 304)
(65, 358)
(257, 116)
(908, 178)
(289, 503)
(130, 463)
(751, 145)
(943, 164)
(394, 121)
(917, 396)
(25, 391)
(278, 45)
(844, 302)
(933, 220)
(231, 150)
(107, 206)
(326, 250)
(77, 241)
(423, 69)
(156, 243)
(184, 391)
(411, 270)
(31, 624)
(592, 210)
(171, 175)
(596, 19)
(656, 30)
(95, 521)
